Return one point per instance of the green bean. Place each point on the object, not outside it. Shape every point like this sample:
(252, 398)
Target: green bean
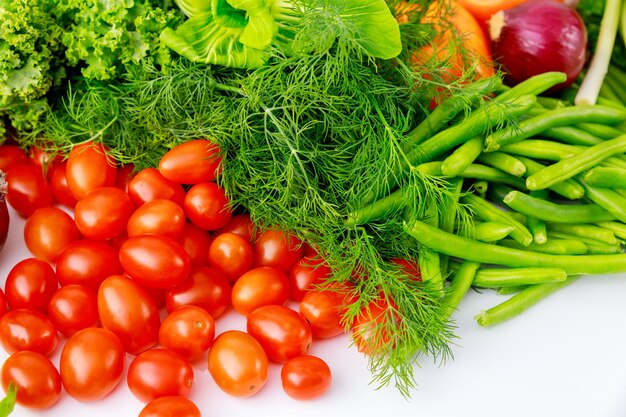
(537, 226)
(462, 157)
(511, 289)
(608, 199)
(379, 209)
(519, 302)
(617, 89)
(569, 189)
(449, 214)
(553, 118)
(502, 277)
(448, 109)
(542, 149)
(482, 172)
(557, 213)
(481, 187)
(487, 231)
(488, 212)
(616, 227)
(551, 102)
(611, 103)
(460, 284)
(607, 92)
(601, 131)
(593, 246)
(471, 250)
(571, 166)
(606, 177)
(603, 249)
(571, 136)
(503, 162)
(584, 230)
(534, 85)
(479, 121)
(552, 246)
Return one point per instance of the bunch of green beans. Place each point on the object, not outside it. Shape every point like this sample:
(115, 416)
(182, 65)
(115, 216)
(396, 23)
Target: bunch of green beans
(547, 193)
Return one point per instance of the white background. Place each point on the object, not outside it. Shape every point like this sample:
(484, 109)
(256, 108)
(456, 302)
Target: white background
(564, 357)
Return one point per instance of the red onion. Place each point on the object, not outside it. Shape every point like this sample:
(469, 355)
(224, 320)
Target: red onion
(537, 37)
(4, 212)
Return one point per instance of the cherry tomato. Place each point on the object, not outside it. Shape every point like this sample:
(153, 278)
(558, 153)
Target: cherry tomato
(204, 287)
(11, 155)
(324, 310)
(283, 333)
(150, 185)
(196, 243)
(92, 363)
(27, 189)
(206, 206)
(43, 158)
(125, 174)
(73, 308)
(158, 373)
(155, 261)
(3, 303)
(161, 217)
(171, 406)
(231, 254)
(5, 219)
(368, 329)
(59, 187)
(30, 284)
(410, 268)
(88, 168)
(48, 231)
(191, 162)
(36, 379)
(277, 249)
(103, 213)
(258, 287)
(305, 377)
(238, 363)
(88, 263)
(240, 224)
(129, 312)
(305, 274)
(188, 331)
(27, 330)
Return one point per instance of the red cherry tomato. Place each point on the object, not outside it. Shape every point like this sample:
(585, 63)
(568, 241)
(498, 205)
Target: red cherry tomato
(88, 168)
(92, 363)
(150, 185)
(155, 261)
(238, 363)
(240, 224)
(11, 155)
(305, 377)
(36, 379)
(196, 243)
(171, 406)
(3, 303)
(27, 189)
(125, 174)
(73, 308)
(43, 158)
(204, 287)
(191, 162)
(305, 274)
(161, 217)
(129, 312)
(206, 205)
(48, 231)
(231, 254)
(277, 249)
(368, 328)
(103, 213)
(27, 330)
(88, 263)
(410, 268)
(5, 220)
(59, 187)
(283, 333)
(30, 284)
(158, 373)
(258, 287)
(188, 331)
(324, 310)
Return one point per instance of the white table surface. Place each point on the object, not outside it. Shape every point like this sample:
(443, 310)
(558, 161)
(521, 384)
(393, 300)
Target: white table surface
(564, 357)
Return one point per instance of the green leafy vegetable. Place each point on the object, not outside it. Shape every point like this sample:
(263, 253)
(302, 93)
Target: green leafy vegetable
(591, 12)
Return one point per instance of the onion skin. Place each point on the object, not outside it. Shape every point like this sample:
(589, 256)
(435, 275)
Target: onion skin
(537, 37)
(4, 211)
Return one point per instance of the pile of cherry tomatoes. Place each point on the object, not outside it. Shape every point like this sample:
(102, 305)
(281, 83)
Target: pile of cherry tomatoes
(115, 250)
